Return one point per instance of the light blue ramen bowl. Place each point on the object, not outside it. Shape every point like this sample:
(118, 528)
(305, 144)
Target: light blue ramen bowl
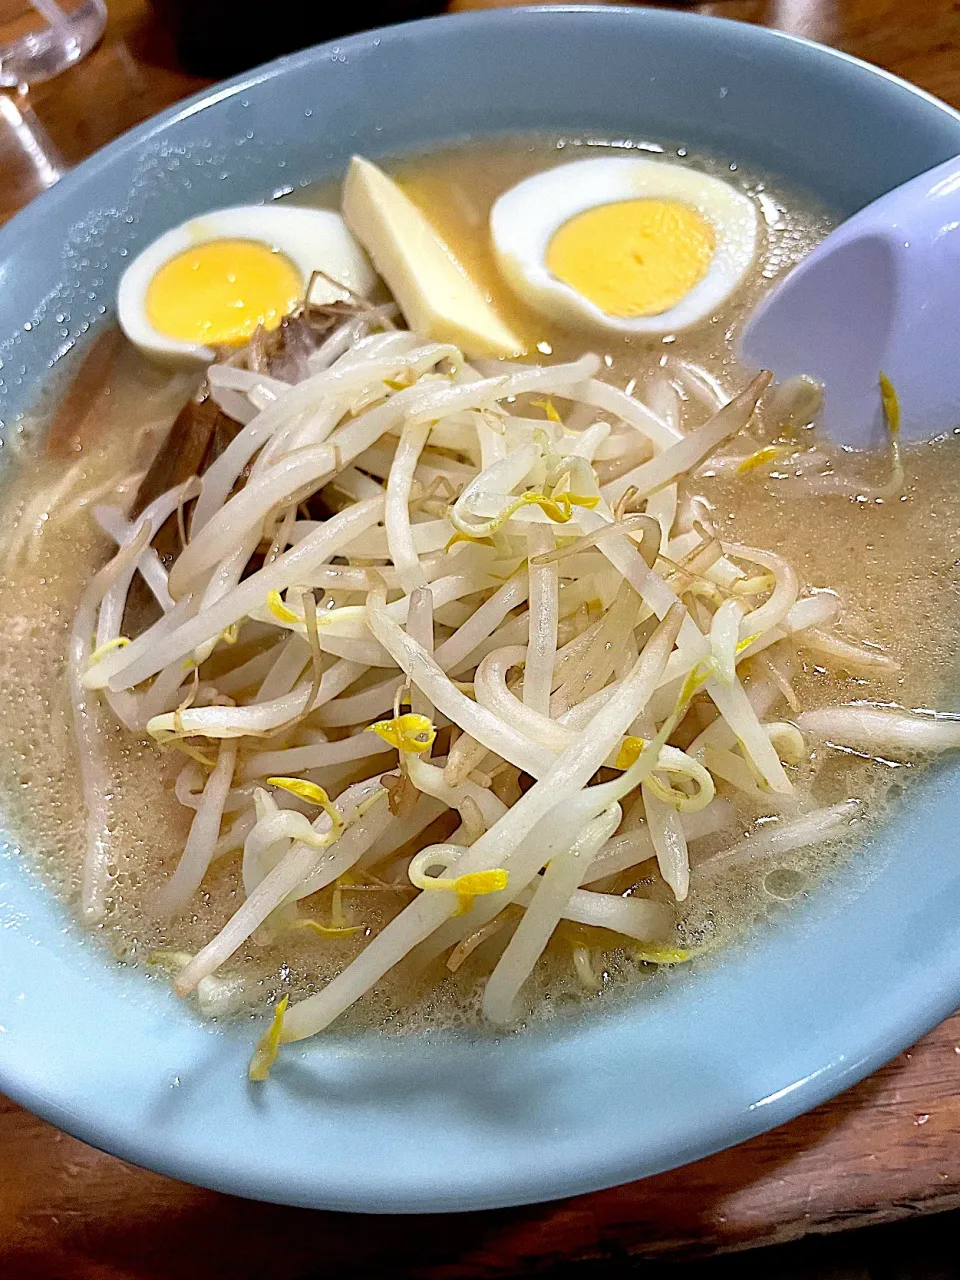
(812, 1004)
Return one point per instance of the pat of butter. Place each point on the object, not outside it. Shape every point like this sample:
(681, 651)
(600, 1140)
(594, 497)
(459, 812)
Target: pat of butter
(437, 297)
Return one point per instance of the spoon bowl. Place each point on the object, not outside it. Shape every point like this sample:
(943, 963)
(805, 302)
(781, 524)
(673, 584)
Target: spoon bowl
(879, 294)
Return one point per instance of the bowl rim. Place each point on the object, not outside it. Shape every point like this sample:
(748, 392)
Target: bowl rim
(223, 90)
(929, 1006)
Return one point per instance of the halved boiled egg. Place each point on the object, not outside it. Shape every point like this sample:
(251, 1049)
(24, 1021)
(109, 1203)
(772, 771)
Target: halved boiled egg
(628, 244)
(213, 280)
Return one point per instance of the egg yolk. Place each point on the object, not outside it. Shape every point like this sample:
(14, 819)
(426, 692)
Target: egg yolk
(217, 293)
(635, 257)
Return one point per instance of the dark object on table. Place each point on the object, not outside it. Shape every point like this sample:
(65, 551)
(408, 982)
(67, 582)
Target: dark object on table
(220, 37)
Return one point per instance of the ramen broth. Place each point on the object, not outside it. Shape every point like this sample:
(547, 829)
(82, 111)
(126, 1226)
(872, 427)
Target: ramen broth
(888, 560)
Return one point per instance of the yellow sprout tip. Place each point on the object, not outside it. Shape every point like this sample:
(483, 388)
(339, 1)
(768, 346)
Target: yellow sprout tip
(476, 883)
(268, 1046)
(696, 678)
(468, 537)
(662, 955)
(767, 454)
(302, 788)
(471, 885)
(891, 404)
(409, 733)
(548, 408)
(313, 794)
(118, 642)
(558, 508)
(479, 882)
(279, 609)
(629, 753)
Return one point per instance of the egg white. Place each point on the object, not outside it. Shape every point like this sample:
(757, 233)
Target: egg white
(525, 219)
(312, 239)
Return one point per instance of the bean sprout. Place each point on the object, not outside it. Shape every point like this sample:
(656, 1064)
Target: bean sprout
(465, 622)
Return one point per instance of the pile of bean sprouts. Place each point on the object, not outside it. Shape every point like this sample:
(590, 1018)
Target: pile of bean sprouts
(452, 588)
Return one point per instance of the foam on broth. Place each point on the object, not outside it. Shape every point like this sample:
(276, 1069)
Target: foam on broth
(889, 561)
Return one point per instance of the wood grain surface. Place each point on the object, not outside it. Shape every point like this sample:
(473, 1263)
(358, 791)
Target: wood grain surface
(886, 1149)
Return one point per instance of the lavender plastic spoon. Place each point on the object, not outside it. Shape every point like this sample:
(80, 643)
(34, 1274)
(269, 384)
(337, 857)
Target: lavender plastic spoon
(882, 292)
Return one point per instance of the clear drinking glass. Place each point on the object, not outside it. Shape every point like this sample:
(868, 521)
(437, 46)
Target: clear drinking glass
(41, 38)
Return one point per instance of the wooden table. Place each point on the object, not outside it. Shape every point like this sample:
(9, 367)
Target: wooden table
(884, 1150)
